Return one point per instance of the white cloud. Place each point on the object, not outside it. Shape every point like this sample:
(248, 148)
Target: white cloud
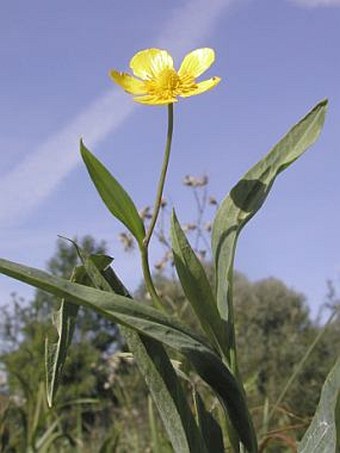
(35, 177)
(316, 3)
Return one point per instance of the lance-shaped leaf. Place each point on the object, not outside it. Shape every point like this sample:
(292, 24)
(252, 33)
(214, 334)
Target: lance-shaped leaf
(322, 434)
(153, 323)
(246, 198)
(57, 345)
(149, 354)
(116, 199)
(64, 319)
(210, 428)
(196, 286)
(155, 366)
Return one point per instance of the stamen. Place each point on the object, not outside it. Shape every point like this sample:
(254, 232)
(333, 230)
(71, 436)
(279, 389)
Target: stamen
(166, 84)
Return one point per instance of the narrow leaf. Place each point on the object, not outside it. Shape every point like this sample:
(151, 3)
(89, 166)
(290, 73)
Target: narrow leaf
(167, 392)
(211, 430)
(58, 343)
(196, 286)
(157, 325)
(155, 366)
(154, 432)
(56, 346)
(116, 199)
(46, 439)
(246, 198)
(321, 436)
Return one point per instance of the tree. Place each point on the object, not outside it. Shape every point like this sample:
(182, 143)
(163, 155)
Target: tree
(274, 331)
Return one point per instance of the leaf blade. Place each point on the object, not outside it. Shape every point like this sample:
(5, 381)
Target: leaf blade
(321, 436)
(247, 197)
(114, 196)
(196, 286)
(155, 366)
(152, 323)
(212, 431)
(64, 319)
(56, 348)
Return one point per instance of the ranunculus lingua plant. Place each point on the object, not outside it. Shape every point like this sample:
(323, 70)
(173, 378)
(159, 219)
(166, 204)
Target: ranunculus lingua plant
(150, 332)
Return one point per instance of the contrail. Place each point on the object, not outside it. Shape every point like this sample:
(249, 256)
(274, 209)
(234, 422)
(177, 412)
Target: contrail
(316, 3)
(36, 176)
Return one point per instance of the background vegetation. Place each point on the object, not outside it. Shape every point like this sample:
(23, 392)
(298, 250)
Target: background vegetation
(103, 403)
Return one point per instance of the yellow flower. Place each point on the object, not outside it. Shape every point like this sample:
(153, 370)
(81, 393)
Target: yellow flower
(157, 82)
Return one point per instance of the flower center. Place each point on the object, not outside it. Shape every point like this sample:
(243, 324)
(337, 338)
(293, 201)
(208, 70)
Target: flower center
(168, 80)
(165, 84)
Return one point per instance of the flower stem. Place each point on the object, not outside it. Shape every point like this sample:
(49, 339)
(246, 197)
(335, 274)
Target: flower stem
(144, 247)
(161, 182)
(148, 279)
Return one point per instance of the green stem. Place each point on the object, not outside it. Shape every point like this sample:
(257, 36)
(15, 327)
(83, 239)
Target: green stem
(300, 366)
(144, 247)
(148, 279)
(161, 182)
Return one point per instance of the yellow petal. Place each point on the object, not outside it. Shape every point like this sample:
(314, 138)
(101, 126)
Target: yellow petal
(129, 83)
(201, 87)
(148, 63)
(154, 100)
(196, 62)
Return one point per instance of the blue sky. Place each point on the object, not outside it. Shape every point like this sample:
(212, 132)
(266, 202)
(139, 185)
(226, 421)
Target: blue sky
(276, 59)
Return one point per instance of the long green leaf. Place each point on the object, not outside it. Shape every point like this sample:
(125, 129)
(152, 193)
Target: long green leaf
(156, 368)
(116, 199)
(59, 341)
(321, 436)
(154, 324)
(212, 431)
(49, 436)
(154, 431)
(196, 286)
(246, 198)
(56, 346)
